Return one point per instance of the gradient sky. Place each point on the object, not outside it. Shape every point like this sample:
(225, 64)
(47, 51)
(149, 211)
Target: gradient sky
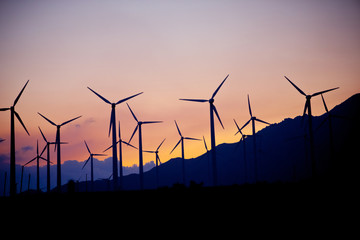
(169, 50)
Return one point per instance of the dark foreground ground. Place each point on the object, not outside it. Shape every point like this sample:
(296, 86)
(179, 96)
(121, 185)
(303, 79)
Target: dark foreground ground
(305, 197)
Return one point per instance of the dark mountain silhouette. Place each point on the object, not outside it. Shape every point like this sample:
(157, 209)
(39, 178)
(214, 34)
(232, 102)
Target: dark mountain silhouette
(283, 155)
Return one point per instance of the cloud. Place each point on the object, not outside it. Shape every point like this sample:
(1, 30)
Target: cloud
(89, 120)
(27, 148)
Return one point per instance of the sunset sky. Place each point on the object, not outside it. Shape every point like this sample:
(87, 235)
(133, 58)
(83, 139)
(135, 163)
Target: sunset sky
(168, 50)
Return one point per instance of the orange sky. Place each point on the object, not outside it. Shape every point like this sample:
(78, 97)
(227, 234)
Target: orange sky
(169, 50)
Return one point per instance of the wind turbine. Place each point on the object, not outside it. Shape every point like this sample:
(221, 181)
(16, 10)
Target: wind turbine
(157, 160)
(182, 150)
(91, 164)
(113, 126)
(253, 119)
(47, 146)
(37, 158)
(311, 134)
(120, 156)
(212, 127)
(13, 113)
(243, 137)
(58, 143)
(138, 126)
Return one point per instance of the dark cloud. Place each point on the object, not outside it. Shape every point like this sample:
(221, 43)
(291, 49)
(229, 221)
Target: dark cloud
(27, 148)
(89, 120)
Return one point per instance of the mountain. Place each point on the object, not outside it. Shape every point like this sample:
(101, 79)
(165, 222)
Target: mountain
(283, 155)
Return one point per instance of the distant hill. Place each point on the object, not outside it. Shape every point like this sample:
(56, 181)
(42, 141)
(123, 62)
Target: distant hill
(283, 155)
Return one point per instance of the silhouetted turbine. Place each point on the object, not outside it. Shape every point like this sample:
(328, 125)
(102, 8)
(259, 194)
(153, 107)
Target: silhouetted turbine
(1, 140)
(157, 160)
(113, 126)
(243, 137)
(13, 113)
(47, 146)
(138, 126)
(91, 164)
(212, 127)
(57, 145)
(120, 156)
(253, 119)
(182, 150)
(37, 158)
(311, 134)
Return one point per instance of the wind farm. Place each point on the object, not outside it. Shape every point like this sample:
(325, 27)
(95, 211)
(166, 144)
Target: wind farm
(217, 69)
(244, 164)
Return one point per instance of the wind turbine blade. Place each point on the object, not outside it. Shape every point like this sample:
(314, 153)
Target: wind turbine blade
(104, 99)
(43, 158)
(160, 145)
(42, 134)
(99, 154)
(64, 123)
(132, 113)
(178, 128)
(306, 106)
(125, 99)
(30, 161)
(205, 144)
(175, 146)
(85, 163)
(322, 122)
(194, 100)
(326, 109)
(87, 147)
(133, 133)
(149, 122)
(300, 91)
(51, 122)
(107, 148)
(237, 126)
(4, 109)
(119, 131)
(149, 151)
(259, 120)
(219, 87)
(46, 146)
(249, 106)
(158, 158)
(245, 124)
(129, 145)
(189, 138)
(111, 121)
(18, 117)
(217, 115)
(18, 97)
(57, 138)
(318, 93)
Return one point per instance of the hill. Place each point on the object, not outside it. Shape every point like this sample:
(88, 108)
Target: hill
(282, 153)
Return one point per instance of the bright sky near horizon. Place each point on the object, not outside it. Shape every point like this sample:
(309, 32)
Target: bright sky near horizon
(168, 50)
